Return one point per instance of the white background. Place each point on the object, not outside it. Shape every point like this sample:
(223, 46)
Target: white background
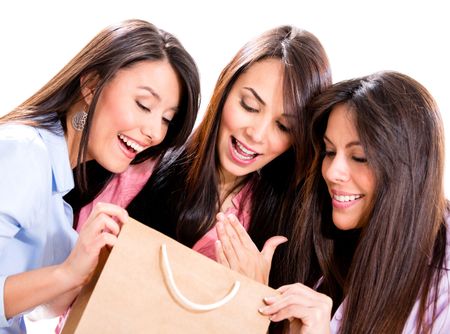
(360, 36)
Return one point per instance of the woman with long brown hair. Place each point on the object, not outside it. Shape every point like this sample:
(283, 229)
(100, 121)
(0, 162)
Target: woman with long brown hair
(133, 87)
(373, 229)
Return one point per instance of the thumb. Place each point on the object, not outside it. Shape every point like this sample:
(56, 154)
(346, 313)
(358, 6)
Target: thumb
(270, 245)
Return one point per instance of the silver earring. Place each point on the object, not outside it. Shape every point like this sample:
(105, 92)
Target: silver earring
(79, 120)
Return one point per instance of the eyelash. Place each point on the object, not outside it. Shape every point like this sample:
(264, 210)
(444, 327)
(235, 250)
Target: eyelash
(282, 127)
(331, 154)
(360, 160)
(247, 107)
(144, 108)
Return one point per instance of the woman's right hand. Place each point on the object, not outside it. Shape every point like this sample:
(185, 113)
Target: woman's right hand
(307, 310)
(102, 228)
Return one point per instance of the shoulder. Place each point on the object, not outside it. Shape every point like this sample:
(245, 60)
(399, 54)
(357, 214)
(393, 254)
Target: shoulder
(24, 156)
(20, 137)
(15, 131)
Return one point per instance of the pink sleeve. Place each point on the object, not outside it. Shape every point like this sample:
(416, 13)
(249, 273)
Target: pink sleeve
(121, 189)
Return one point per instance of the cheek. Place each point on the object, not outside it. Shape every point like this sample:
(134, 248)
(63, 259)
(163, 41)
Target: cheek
(325, 168)
(228, 120)
(368, 182)
(279, 142)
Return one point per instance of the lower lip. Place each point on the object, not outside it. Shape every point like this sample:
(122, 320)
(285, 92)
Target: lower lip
(235, 158)
(344, 205)
(126, 152)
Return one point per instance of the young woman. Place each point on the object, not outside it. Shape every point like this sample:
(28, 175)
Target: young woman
(247, 157)
(373, 229)
(131, 88)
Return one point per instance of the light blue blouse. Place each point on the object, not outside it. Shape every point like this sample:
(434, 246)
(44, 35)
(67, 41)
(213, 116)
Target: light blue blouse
(35, 222)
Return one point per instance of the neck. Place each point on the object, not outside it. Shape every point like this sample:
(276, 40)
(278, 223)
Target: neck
(227, 184)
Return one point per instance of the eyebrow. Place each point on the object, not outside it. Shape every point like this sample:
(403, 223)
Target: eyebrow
(352, 143)
(255, 94)
(151, 91)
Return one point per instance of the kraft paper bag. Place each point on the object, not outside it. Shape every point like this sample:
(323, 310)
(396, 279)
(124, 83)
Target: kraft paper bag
(150, 283)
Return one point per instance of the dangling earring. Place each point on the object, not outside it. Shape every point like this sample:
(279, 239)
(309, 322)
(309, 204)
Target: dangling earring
(79, 120)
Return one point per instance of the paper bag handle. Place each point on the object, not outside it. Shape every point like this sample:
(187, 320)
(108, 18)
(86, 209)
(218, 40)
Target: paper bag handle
(185, 301)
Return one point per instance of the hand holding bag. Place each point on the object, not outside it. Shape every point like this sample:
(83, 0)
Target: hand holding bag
(150, 283)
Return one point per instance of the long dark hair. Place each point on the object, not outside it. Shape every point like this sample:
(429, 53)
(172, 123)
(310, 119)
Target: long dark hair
(188, 178)
(117, 46)
(397, 257)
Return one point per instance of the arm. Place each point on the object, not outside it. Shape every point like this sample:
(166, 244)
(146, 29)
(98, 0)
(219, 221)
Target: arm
(236, 250)
(308, 311)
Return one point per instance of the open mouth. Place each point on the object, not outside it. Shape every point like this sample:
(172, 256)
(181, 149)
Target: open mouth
(241, 152)
(130, 145)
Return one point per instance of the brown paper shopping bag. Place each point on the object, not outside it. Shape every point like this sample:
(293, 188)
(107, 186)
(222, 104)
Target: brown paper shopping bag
(152, 284)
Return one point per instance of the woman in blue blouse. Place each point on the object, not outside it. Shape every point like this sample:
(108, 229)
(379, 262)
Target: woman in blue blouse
(131, 88)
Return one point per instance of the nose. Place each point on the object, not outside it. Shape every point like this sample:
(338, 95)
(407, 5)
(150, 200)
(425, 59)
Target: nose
(153, 129)
(259, 129)
(336, 169)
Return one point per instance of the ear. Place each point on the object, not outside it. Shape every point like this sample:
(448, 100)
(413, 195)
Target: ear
(88, 85)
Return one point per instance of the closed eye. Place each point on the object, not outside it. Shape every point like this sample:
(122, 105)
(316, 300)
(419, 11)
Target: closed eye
(144, 108)
(247, 107)
(359, 159)
(283, 127)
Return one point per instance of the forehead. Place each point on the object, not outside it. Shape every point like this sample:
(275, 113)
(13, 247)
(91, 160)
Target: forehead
(146, 69)
(269, 70)
(155, 76)
(342, 116)
(342, 121)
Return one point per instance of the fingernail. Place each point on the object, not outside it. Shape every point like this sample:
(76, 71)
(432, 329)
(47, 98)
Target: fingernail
(268, 299)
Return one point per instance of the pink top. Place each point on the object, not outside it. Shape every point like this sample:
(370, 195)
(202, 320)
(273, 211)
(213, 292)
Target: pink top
(121, 189)
(206, 245)
(125, 186)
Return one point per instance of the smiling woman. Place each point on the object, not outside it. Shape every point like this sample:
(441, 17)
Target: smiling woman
(253, 129)
(372, 236)
(150, 92)
(132, 87)
(350, 180)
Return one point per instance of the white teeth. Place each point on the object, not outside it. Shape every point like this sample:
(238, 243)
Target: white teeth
(135, 146)
(243, 157)
(342, 198)
(244, 149)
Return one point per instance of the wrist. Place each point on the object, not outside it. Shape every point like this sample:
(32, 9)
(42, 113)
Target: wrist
(67, 278)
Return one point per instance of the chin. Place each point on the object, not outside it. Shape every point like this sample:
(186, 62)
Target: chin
(115, 168)
(344, 224)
